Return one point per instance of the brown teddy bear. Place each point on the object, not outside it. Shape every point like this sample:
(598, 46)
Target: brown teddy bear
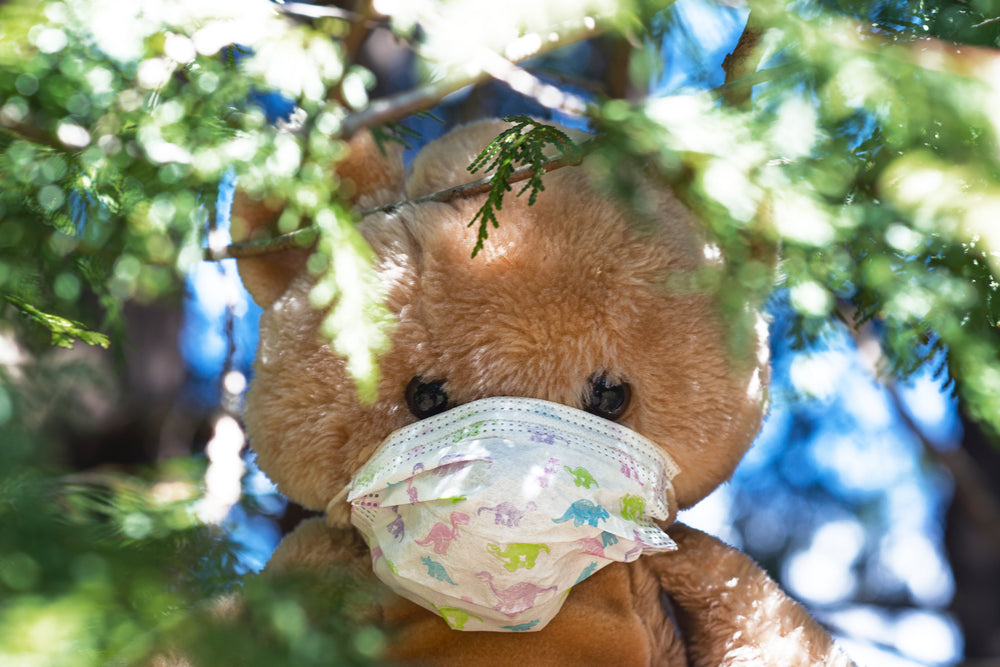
(544, 410)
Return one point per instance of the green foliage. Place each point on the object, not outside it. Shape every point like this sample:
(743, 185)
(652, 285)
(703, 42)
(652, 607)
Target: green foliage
(64, 331)
(89, 567)
(102, 568)
(872, 170)
(113, 142)
(867, 162)
(524, 143)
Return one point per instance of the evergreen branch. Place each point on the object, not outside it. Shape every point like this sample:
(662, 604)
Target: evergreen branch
(303, 237)
(515, 145)
(64, 331)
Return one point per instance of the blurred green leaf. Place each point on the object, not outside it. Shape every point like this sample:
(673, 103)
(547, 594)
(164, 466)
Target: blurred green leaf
(63, 331)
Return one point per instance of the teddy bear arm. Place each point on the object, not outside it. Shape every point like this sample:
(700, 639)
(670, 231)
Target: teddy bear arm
(314, 545)
(731, 612)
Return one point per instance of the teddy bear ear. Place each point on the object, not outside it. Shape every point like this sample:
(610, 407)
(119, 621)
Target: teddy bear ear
(369, 175)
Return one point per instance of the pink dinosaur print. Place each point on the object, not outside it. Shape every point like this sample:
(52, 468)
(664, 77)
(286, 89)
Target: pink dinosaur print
(629, 468)
(519, 597)
(591, 546)
(441, 535)
(410, 491)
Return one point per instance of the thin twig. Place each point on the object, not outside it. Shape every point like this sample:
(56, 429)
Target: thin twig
(524, 82)
(986, 22)
(403, 104)
(360, 29)
(317, 11)
(305, 236)
(972, 490)
(32, 133)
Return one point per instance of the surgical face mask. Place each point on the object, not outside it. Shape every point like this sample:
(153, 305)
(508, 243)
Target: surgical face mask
(489, 514)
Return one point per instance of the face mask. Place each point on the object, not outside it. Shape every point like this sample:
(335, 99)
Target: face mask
(489, 514)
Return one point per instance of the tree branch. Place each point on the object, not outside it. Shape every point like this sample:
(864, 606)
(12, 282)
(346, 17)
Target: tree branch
(741, 63)
(403, 104)
(305, 236)
(972, 490)
(31, 133)
(739, 89)
(524, 82)
(309, 11)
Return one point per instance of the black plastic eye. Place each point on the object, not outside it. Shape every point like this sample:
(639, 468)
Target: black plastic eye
(606, 398)
(425, 399)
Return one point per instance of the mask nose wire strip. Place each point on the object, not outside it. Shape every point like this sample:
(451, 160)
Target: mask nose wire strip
(338, 511)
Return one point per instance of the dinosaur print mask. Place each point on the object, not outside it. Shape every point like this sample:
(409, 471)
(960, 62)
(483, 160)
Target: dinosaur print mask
(489, 513)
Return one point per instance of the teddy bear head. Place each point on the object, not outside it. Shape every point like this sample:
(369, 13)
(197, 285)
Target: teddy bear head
(579, 299)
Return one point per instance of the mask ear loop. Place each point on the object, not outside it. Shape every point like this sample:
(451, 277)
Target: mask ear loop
(338, 510)
(671, 503)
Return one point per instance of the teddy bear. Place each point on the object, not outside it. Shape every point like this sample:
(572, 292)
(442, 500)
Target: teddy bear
(543, 411)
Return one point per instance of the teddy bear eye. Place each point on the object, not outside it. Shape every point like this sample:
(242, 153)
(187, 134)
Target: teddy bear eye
(425, 399)
(607, 398)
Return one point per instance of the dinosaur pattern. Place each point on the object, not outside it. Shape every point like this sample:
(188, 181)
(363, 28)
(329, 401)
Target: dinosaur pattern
(548, 472)
(591, 545)
(522, 627)
(441, 535)
(457, 618)
(396, 527)
(507, 514)
(583, 511)
(515, 599)
(436, 570)
(581, 477)
(494, 537)
(629, 468)
(632, 507)
(518, 554)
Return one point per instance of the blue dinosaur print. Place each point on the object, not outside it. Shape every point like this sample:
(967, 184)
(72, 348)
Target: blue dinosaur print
(608, 539)
(587, 571)
(583, 511)
(522, 627)
(436, 570)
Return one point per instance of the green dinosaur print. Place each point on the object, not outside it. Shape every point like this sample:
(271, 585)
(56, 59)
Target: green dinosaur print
(581, 476)
(366, 478)
(456, 618)
(518, 554)
(632, 507)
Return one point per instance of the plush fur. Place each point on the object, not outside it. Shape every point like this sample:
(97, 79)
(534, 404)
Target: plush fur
(576, 284)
